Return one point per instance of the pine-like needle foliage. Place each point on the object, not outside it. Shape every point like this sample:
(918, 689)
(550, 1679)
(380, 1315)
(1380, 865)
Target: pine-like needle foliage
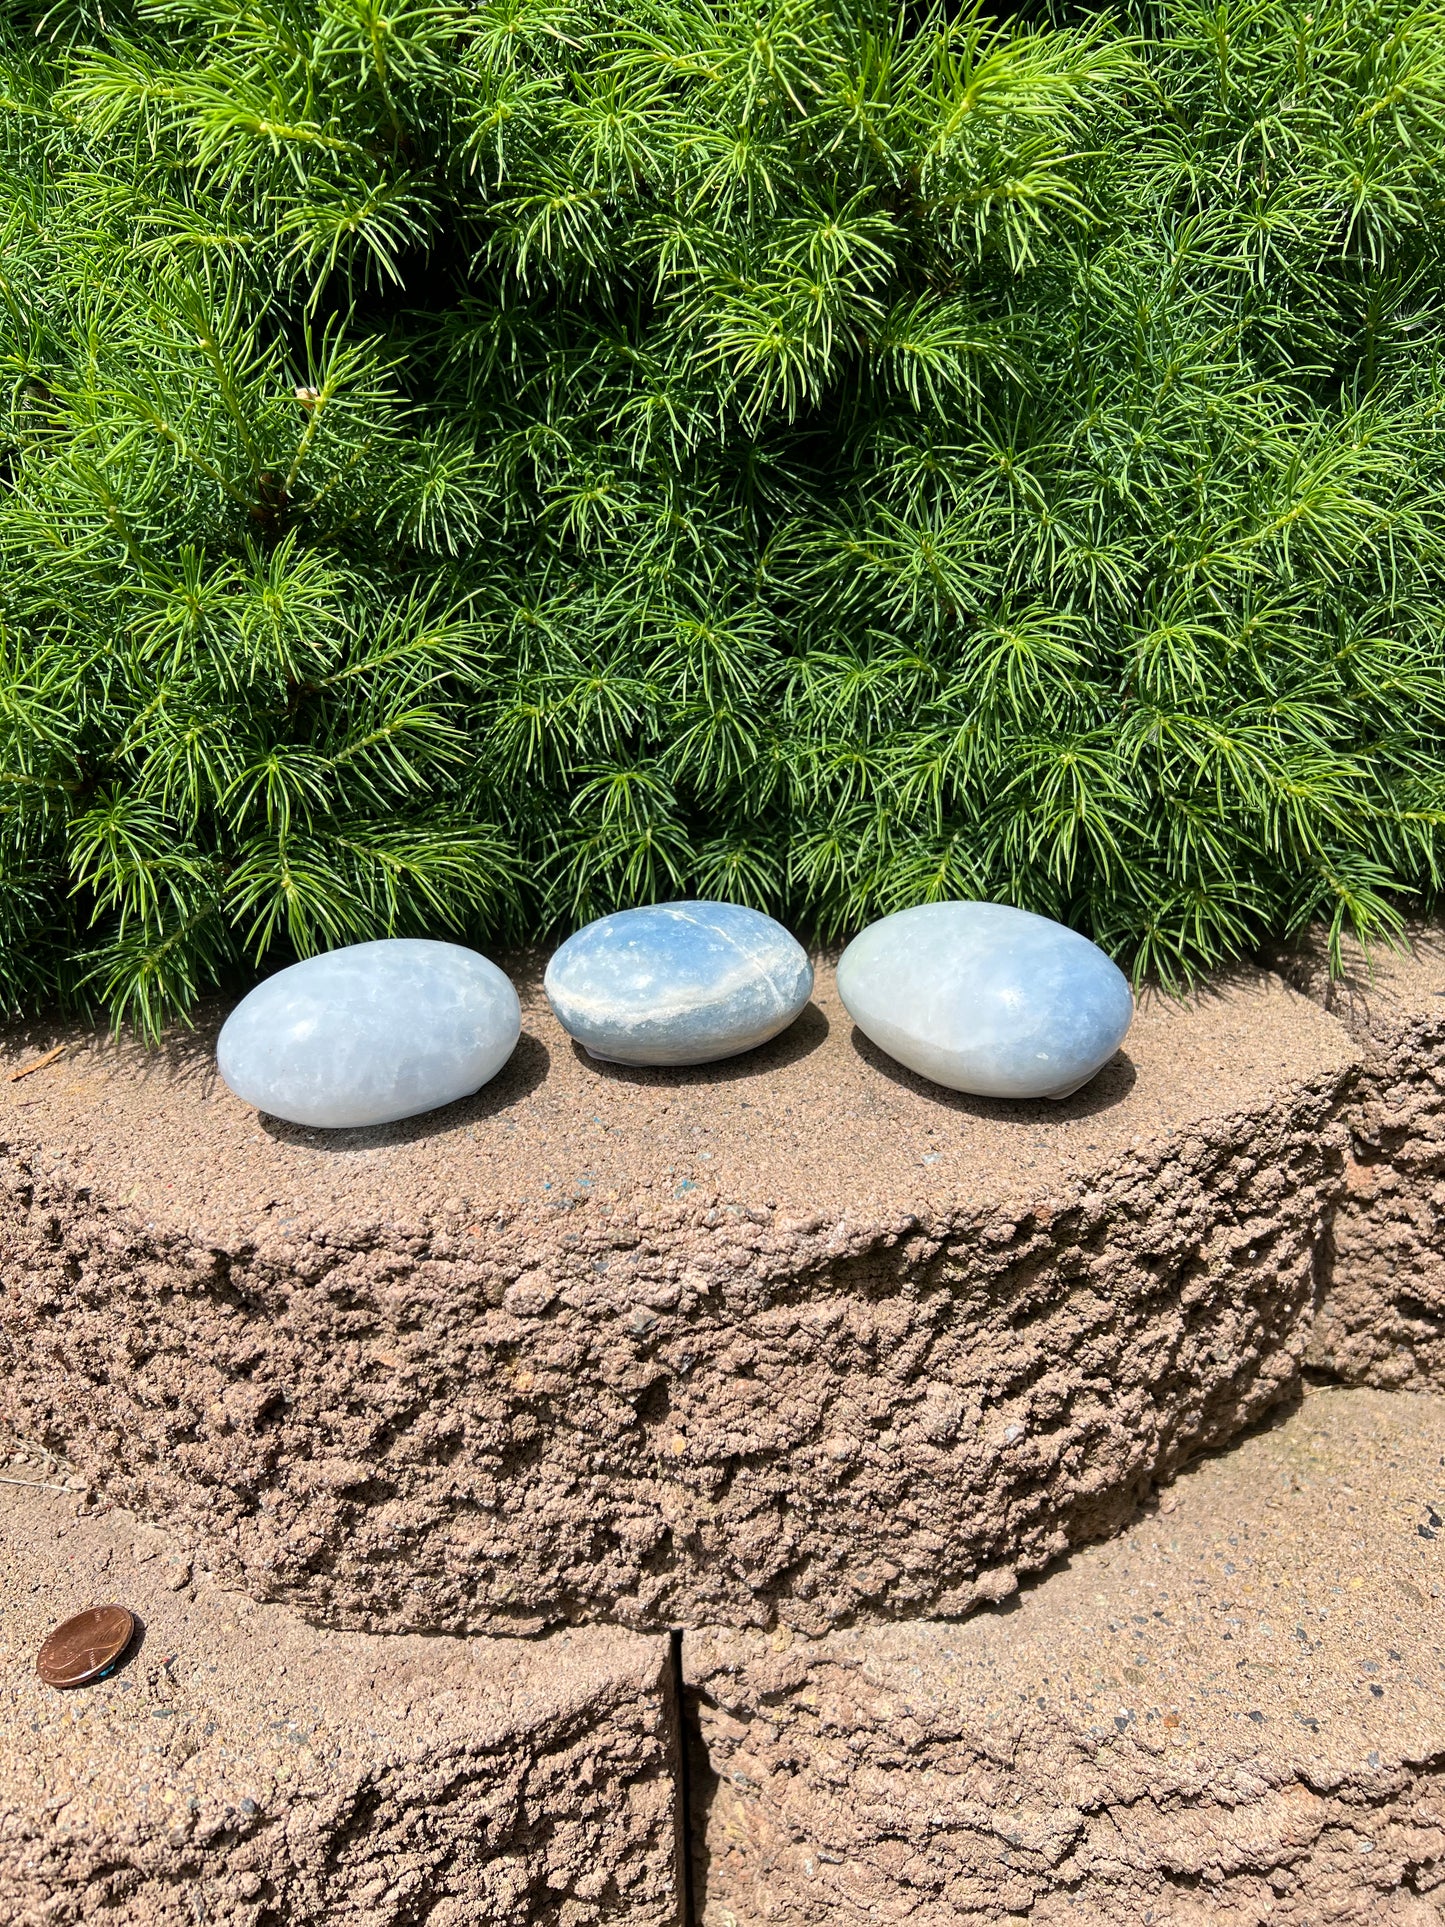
(466, 467)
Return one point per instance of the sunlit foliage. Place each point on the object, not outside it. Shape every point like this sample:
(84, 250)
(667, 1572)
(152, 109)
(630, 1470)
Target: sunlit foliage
(465, 467)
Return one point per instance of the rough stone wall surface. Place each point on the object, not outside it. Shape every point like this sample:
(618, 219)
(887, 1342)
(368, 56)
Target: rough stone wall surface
(806, 1355)
(799, 1339)
(1381, 1319)
(243, 1768)
(1232, 1715)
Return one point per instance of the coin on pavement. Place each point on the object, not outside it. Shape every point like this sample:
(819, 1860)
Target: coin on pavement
(80, 1649)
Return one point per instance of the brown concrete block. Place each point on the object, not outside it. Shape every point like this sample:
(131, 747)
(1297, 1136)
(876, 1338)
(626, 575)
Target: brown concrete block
(243, 1768)
(795, 1338)
(1381, 1319)
(1233, 1714)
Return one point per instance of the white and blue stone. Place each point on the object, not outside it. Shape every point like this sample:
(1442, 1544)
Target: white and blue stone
(370, 1033)
(678, 983)
(984, 998)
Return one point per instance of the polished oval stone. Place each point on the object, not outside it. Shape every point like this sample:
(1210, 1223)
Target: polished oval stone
(987, 999)
(678, 983)
(370, 1033)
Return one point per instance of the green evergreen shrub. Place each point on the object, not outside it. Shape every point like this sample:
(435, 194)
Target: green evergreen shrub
(466, 467)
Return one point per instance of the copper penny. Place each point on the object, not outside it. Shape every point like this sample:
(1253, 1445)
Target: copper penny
(80, 1649)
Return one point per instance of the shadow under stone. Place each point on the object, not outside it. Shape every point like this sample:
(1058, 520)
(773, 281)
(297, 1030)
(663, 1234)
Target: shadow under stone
(1105, 1089)
(523, 1071)
(803, 1036)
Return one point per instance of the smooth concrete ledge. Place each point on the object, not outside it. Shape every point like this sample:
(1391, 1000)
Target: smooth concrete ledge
(1232, 1715)
(794, 1339)
(243, 1768)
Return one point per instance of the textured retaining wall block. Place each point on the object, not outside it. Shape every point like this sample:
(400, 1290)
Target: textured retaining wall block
(243, 1768)
(795, 1338)
(1382, 1316)
(1232, 1715)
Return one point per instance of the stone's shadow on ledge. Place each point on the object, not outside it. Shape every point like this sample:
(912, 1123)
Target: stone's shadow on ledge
(1104, 1090)
(523, 1071)
(802, 1037)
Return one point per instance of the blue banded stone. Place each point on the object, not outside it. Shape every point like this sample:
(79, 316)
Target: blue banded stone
(984, 998)
(370, 1033)
(678, 983)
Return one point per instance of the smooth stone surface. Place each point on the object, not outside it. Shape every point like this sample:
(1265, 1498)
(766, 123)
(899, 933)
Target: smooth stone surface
(984, 998)
(370, 1033)
(678, 983)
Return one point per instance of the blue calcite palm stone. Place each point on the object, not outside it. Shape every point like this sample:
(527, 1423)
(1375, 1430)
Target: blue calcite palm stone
(370, 1033)
(678, 983)
(984, 998)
